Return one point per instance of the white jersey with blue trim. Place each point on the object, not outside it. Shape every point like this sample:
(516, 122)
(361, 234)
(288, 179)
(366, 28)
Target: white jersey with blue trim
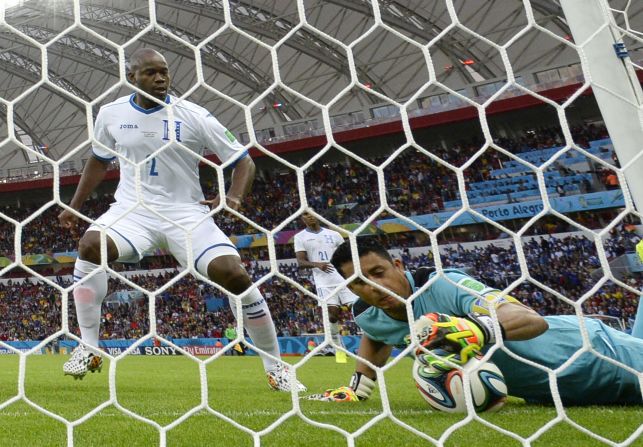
(172, 176)
(319, 247)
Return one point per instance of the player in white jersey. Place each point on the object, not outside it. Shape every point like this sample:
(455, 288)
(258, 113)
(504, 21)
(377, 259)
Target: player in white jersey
(314, 247)
(133, 128)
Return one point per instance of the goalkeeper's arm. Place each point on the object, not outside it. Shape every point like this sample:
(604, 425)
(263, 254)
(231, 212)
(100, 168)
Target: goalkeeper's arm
(375, 352)
(520, 322)
(467, 335)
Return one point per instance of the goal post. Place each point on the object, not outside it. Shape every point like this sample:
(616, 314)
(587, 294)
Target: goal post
(614, 83)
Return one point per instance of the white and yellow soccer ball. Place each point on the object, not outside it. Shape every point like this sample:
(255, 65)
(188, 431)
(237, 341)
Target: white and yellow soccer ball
(442, 386)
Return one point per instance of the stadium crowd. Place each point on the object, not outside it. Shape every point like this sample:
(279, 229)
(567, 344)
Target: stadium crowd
(32, 310)
(415, 185)
(344, 191)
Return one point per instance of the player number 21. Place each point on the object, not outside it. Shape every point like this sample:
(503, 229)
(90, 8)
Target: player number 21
(323, 256)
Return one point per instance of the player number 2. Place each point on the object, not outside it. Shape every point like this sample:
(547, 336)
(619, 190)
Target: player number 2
(153, 171)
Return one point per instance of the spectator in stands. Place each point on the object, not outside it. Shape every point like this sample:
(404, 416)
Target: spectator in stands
(611, 180)
(560, 190)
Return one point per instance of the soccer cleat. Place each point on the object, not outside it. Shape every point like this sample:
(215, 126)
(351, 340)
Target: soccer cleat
(81, 362)
(340, 357)
(279, 380)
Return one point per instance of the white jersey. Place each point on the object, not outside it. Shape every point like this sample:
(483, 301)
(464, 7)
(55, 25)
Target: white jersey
(319, 247)
(171, 178)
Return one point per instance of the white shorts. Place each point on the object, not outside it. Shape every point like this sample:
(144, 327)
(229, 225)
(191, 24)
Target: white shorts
(141, 232)
(343, 297)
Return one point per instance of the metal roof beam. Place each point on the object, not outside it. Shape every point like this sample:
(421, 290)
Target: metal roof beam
(29, 70)
(211, 56)
(79, 50)
(273, 27)
(84, 51)
(405, 23)
(19, 122)
(267, 28)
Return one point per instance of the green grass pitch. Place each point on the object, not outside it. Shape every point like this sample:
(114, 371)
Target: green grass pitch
(164, 388)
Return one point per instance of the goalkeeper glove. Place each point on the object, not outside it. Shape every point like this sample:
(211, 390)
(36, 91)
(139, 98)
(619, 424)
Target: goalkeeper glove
(341, 394)
(360, 388)
(463, 336)
(440, 360)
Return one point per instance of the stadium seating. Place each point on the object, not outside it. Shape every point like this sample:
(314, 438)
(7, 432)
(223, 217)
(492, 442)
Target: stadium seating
(415, 187)
(181, 310)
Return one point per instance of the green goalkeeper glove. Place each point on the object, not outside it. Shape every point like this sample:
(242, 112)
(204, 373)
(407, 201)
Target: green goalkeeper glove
(462, 336)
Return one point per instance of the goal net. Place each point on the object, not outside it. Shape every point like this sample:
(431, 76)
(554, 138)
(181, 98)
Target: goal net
(499, 137)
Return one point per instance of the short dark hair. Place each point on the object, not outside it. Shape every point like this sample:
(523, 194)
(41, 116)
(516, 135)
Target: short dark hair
(365, 245)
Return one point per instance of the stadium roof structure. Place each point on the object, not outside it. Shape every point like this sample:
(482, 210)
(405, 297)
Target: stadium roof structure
(83, 57)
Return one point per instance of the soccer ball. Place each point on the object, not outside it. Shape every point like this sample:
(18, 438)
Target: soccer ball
(442, 386)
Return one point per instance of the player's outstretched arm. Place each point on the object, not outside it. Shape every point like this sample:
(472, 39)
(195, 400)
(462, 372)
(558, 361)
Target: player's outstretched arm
(362, 382)
(375, 352)
(465, 336)
(520, 322)
(93, 174)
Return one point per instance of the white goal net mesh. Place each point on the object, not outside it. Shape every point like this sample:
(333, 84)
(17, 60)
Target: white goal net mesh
(288, 79)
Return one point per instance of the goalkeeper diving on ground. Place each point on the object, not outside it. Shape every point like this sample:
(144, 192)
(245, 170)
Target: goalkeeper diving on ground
(458, 319)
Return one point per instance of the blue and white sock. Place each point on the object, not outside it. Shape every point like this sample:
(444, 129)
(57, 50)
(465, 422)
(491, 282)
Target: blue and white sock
(258, 322)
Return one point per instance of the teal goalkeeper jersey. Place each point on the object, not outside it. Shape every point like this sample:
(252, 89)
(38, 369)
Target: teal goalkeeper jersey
(587, 380)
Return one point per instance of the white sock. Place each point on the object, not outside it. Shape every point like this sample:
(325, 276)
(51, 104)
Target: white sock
(258, 322)
(88, 298)
(334, 334)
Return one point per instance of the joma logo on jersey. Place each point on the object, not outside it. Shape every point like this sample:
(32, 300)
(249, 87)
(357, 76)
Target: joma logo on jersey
(129, 126)
(166, 130)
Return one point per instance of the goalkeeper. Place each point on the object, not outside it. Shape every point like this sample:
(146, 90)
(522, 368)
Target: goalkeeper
(457, 318)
